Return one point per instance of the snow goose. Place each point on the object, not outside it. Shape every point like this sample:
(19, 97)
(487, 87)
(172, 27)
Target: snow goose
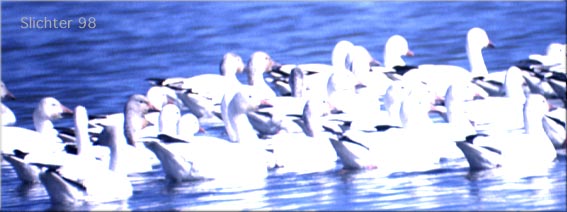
(418, 146)
(315, 74)
(18, 143)
(500, 113)
(202, 93)
(47, 109)
(394, 65)
(375, 82)
(135, 110)
(435, 75)
(553, 60)
(308, 150)
(532, 149)
(187, 160)
(8, 117)
(85, 180)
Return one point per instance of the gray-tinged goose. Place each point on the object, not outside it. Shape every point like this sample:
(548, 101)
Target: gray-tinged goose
(529, 150)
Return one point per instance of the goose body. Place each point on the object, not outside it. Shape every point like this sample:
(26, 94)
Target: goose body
(191, 160)
(68, 182)
(486, 152)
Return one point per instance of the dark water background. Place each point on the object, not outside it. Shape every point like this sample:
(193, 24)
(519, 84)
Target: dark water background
(99, 68)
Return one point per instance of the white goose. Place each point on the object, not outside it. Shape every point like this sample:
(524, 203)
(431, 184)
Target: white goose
(245, 160)
(418, 146)
(47, 110)
(315, 74)
(532, 149)
(19, 142)
(83, 179)
(7, 116)
(500, 113)
(308, 150)
(435, 75)
(203, 93)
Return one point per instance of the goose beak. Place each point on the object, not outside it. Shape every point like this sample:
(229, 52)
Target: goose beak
(374, 62)
(265, 104)
(273, 65)
(202, 130)
(10, 96)
(551, 107)
(152, 108)
(438, 101)
(359, 85)
(490, 45)
(66, 110)
(409, 53)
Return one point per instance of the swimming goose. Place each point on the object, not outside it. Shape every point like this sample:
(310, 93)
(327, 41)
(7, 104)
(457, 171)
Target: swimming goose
(435, 75)
(553, 60)
(308, 150)
(532, 149)
(500, 113)
(244, 160)
(18, 143)
(315, 74)
(85, 180)
(135, 110)
(203, 93)
(418, 146)
(394, 65)
(8, 117)
(375, 82)
(47, 110)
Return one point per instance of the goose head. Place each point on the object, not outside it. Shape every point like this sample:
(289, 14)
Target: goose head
(313, 110)
(5, 93)
(361, 61)
(231, 64)
(478, 39)
(136, 107)
(396, 47)
(48, 109)
(535, 108)
(340, 52)
(557, 52)
(160, 96)
(259, 63)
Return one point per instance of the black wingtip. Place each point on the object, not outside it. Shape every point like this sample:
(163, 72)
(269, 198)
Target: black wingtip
(155, 81)
(470, 138)
(170, 139)
(381, 128)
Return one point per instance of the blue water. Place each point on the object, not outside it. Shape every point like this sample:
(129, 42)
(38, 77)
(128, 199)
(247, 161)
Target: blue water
(100, 67)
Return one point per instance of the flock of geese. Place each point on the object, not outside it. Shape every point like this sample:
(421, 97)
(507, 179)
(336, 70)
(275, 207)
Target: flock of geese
(356, 111)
